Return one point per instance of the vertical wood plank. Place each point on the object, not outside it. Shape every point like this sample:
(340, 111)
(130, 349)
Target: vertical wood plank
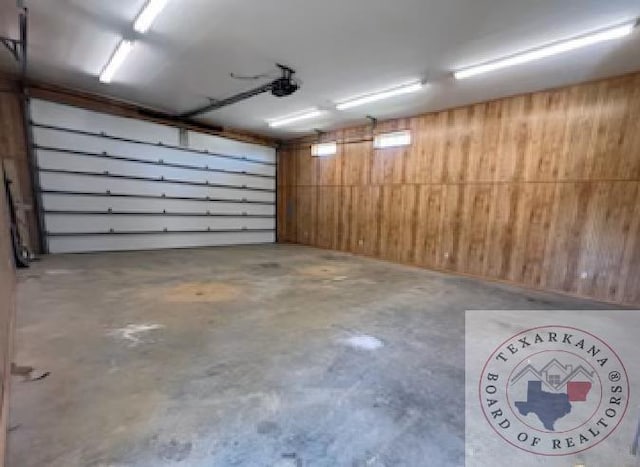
(7, 317)
(629, 142)
(306, 220)
(532, 233)
(13, 149)
(356, 158)
(305, 167)
(387, 166)
(457, 145)
(398, 222)
(474, 228)
(567, 231)
(428, 225)
(451, 225)
(416, 160)
(483, 138)
(546, 137)
(346, 213)
(502, 230)
(581, 128)
(514, 137)
(630, 272)
(328, 217)
(328, 169)
(606, 234)
(365, 221)
(286, 167)
(618, 121)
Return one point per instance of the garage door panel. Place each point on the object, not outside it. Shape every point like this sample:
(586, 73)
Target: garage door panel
(74, 223)
(61, 202)
(64, 161)
(76, 244)
(50, 113)
(217, 144)
(57, 139)
(100, 184)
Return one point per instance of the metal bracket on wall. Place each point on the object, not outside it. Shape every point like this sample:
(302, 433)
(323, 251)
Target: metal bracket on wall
(18, 47)
(319, 134)
(12, 46)
(374, 125)
(373, 121)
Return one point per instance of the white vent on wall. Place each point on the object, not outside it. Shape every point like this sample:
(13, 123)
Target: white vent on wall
(324, 149)
(392, 140)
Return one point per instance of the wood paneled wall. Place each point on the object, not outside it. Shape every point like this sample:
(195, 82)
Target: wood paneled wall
(541, 190)
(7, 317)
(15, 160)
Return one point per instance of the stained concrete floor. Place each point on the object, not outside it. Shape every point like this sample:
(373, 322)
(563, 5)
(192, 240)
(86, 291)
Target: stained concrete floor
(245, 356)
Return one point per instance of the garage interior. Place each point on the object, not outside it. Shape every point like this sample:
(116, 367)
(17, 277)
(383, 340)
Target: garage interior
(247, 233)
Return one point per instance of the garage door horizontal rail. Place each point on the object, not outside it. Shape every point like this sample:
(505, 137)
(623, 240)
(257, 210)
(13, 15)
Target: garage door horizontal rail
(160, 162)
(183, 198)
(160, 213)
(148, 232)
(159, 144)
(153, 179)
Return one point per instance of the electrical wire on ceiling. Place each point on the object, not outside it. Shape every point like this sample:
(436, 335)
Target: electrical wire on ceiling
(251, 77)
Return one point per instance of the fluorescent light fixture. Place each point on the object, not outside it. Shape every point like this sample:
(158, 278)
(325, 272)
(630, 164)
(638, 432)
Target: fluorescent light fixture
(390, 140)
(304, 115)
(324, 149)
(547, 51)
(379, 95)
(148, 14)
(116, 60)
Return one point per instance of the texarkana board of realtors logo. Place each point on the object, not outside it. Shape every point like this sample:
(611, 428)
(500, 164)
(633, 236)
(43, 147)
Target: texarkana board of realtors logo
(553, 390)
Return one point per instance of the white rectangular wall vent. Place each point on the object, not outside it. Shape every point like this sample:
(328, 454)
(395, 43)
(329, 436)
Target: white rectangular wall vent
(324, 149)
(391, 140)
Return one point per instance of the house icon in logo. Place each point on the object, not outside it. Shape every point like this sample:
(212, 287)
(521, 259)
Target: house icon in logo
(558, 378)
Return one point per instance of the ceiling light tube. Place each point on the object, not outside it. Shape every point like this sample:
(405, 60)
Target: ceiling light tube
(116, 60)
(407, 88)
(391, 140)
(148, 14)
(547, 51)
(305, 115)
(324, 149)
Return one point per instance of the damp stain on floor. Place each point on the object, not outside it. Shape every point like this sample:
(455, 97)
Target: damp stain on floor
(328, 270)
(194, 292)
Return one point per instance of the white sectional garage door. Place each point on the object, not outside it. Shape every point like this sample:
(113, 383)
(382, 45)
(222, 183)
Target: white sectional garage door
(113, 183)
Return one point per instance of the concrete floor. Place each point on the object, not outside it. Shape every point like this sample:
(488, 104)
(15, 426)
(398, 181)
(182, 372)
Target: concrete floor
(245, 356)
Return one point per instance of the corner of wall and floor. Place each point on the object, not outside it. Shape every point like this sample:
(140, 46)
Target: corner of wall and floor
(540, 190)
